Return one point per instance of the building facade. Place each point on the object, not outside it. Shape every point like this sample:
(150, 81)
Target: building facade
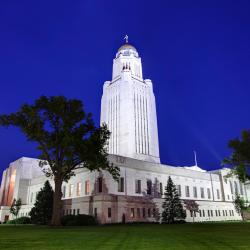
(128, 108)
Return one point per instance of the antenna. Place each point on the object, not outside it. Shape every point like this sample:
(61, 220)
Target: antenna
(195, 159)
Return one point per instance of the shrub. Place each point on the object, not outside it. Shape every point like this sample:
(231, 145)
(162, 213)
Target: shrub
(21, 220)
(78, 220)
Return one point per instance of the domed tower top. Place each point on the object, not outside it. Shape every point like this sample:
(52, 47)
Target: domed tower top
(127, 49)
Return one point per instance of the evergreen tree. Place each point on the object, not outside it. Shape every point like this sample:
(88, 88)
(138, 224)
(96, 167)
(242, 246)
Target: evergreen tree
(172, 206)
(41, 213)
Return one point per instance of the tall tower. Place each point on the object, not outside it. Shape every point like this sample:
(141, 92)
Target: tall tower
(128, 109)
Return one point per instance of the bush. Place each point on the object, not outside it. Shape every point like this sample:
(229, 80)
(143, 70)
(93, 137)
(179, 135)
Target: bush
(78, 220)
(21, 220)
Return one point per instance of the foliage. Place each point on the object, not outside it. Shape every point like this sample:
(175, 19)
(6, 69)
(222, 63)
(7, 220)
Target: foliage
(20, 220)
(78, 220)
(67, 139)
(239, 160)
(41, 213)
(172, 206)
(192, 206)
(239, 204)
(15, 207)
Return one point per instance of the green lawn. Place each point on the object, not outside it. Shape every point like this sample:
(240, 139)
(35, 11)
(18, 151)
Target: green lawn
(151, 237)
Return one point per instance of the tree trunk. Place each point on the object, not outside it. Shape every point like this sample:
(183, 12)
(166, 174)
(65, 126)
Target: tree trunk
(57, 203)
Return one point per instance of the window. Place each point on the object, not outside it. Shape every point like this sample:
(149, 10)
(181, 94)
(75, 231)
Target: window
(202, 193)
(95, 212)
(63, 191)
(121, 184)
(132, 213)
(208, 193)
(74, 211)
(78, 211)
(203, 212)
(99, 181)
(236, 187)
(218, 194)
(226, 212)
(187, 191)
(161, 189)
(219, 212)
(149, 212)
(211, 213)
(149, 187)
(87, 187)
(137, 186)
(208, 213)
(179, 189)
(109, 212)
(232, 213)
(144, 212)
(200, 213)
(216, 214)
(195, 192)
(31, 197)
(71, 188)
(241, 189)
(191, 213)
(154, 212)
(138, 212)
(78, 188)
(223, 212)
(231, 187)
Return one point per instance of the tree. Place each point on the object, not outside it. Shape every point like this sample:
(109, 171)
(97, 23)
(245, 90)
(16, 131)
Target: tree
(41, 213)
(15, 207)
(239, 160)
(192, 206)
(239, 205)
(67, 139)
(172, 206)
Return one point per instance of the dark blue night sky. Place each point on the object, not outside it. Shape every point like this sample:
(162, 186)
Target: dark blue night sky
(197, 54)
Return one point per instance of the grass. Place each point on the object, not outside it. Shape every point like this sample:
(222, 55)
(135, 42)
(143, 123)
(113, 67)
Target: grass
(151, 237)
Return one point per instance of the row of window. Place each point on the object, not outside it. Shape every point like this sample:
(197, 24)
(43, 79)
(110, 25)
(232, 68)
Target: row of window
(78, 189)
(235, 189)
(71, 211)
(195, 192)
(210, 213)
(138, 189)
(142, 212)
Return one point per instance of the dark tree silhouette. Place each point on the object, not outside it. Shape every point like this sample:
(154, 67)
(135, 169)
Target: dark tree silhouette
(172, 206)
(41, 213)
(15, 207)
(67, 138)
(239, 205)
(239, 160)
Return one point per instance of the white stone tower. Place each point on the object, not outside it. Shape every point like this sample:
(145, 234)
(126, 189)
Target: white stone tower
(128, 108)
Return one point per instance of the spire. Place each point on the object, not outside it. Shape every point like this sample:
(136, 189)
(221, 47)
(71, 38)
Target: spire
(195, 159)
(126, 38)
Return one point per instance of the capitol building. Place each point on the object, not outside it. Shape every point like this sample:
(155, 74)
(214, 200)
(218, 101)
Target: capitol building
(128, 108)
